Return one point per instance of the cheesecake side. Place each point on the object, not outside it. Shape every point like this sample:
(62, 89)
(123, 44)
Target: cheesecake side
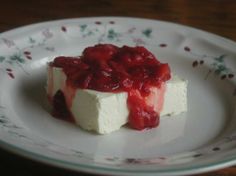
(175, 98)
(105, 112)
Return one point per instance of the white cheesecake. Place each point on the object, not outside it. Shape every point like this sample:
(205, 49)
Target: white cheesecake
(105, 112)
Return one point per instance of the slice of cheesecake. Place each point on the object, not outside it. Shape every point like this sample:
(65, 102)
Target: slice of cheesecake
(105, 112)
(109, 86)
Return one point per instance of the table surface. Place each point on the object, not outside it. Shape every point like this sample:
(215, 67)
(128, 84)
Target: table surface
(216, 16)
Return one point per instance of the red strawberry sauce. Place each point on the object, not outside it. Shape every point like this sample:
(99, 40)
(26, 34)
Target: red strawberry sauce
(108, 68)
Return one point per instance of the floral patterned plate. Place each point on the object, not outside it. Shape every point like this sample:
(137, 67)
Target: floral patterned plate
(200, 140)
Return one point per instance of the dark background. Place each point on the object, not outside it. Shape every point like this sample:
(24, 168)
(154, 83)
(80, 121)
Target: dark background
(216, 16)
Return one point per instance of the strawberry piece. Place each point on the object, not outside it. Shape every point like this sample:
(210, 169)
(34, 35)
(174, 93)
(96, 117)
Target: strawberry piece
(162, 72)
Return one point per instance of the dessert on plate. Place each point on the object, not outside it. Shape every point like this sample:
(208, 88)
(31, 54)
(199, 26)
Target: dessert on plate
(109, 86)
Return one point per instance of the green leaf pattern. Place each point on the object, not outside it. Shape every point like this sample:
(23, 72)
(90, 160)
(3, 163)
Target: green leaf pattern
(17, 58)
(219, 65)
(31, 40)
(147, 32)
(83, 27)
(2, 58)
(220, 68)
(113, 35)
(86, 31)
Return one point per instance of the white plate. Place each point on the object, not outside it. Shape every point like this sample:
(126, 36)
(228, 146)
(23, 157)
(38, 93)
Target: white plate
(200, 140)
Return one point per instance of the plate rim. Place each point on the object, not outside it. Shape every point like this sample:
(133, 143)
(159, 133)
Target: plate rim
(106, 170)
(69, 20)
